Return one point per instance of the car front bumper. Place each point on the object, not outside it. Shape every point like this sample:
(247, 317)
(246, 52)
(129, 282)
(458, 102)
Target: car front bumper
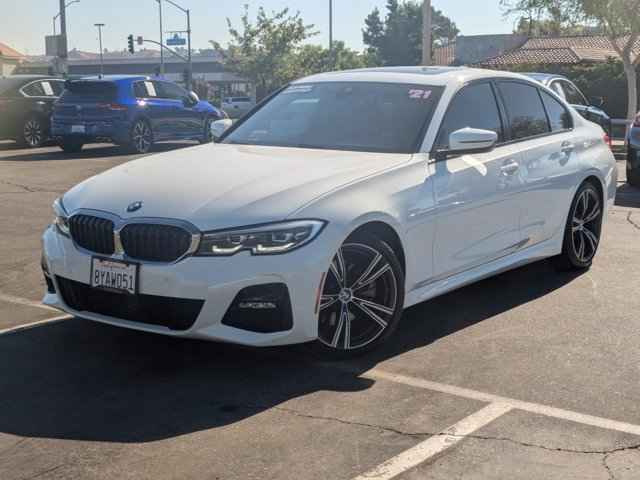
(214, 280)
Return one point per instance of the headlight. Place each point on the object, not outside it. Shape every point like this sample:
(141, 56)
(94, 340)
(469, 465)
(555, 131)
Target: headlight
(61, 218)
(266, 240)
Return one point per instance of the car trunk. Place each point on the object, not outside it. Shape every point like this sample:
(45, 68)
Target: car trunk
(89, 101)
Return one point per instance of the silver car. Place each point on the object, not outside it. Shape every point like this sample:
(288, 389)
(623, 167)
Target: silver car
(237, 107)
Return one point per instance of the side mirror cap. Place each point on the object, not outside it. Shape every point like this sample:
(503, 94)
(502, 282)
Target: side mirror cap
(469, 141)
(219, 127)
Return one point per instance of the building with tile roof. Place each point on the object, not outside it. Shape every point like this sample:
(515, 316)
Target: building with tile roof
(9, 59)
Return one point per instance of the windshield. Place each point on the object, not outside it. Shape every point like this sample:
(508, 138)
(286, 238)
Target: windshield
(359, 116)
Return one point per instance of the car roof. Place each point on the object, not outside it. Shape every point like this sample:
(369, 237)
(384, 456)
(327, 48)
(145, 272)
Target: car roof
(111, 78)
(432, 76)
(545, 78)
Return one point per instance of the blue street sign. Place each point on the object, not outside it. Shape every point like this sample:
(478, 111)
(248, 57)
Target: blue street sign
(176, 41)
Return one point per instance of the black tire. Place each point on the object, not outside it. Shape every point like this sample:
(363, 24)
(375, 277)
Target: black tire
(583, 229)
(358, 315)
(140, 137)
(633, 175)
(207, 136)
(33, 133)
(71, 146)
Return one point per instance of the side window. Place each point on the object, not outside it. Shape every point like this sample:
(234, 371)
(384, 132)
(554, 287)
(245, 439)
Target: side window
(475, 106)
(573, 95)
(559, 116)
(526, 113)
(170, 90)
(34, 90)
(144, 90)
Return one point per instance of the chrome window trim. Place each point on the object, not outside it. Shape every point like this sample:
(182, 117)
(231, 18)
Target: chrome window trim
(120, 223)
(21, 89)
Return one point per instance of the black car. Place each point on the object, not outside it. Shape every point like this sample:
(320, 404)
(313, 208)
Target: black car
(26, 104)
(565, 88)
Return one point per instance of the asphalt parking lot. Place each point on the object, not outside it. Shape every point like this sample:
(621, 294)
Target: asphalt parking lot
(529, 375)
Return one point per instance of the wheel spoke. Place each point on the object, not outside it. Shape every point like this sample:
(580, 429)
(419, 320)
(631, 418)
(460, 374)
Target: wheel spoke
(327, 300)
(368, 270)
(347, 333)
(373, 305)
(374, 316)
(595, 213)
(338, 269)
(373, 277)
(580, 251)
(592, 239)
(344, 315)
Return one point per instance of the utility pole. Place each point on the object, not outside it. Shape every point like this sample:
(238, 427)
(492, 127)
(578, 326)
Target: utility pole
(161, 39)
(426, 33)
(100, 25)
(330, 25)
(63, 54)
(187, 12)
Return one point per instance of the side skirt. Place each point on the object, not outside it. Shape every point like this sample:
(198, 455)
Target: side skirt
(547, 249)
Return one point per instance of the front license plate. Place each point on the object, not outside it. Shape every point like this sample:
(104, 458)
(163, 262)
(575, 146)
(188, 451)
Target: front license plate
(78, 129)
(114, 275)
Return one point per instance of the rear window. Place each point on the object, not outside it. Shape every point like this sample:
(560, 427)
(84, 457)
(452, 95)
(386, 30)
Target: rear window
(90, 91)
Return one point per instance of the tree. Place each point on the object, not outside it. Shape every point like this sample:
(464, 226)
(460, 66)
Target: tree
(311, 59)
(397, 40)
(620, 20)
(260, 51)
(544, 17)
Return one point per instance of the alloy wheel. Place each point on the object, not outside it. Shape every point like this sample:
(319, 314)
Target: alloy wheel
(32, 132)
(585, 226)
(142, 137)
(359, 299)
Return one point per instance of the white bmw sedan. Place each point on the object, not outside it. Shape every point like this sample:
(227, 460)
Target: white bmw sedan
(338, 202)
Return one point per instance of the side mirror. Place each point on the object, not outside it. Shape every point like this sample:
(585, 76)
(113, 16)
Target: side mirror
(469, 141)
(191, 99)
(219, 127)
(597, 102)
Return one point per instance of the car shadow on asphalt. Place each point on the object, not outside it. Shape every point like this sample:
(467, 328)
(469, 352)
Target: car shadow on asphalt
(90, 152)
(86, 381)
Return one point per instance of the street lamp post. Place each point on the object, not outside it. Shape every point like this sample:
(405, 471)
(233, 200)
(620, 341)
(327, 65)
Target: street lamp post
(161, 39)
(187, 12)
(55, 18)
(100, 25)
(330, 25)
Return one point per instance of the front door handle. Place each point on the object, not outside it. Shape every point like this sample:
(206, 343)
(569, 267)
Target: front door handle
(510, 167)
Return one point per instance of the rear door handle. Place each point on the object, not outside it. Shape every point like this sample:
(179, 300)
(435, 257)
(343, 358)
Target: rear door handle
(510, 167)
(567, 147)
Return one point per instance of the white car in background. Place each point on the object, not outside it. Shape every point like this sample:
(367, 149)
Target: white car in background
(344, 199)
(237, 107)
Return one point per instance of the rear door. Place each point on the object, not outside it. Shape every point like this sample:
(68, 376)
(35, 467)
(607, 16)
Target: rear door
(477, 208)
(541, 129)
(157, 110)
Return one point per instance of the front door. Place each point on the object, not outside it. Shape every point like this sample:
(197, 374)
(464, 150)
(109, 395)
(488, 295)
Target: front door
(476, 196)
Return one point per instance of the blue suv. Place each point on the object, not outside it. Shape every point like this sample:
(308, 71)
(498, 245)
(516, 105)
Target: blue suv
(131, 111)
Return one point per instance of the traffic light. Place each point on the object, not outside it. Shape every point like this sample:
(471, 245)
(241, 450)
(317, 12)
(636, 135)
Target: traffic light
(131, 49)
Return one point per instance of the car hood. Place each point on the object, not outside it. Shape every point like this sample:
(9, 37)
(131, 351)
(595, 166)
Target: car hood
(219, 186)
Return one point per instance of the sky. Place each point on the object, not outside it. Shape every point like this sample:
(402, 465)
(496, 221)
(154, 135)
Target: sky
(24, 24)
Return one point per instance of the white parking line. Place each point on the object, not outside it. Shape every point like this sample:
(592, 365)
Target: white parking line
(31, 325)
(436, 444)
(553, 412)
(25, 302)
